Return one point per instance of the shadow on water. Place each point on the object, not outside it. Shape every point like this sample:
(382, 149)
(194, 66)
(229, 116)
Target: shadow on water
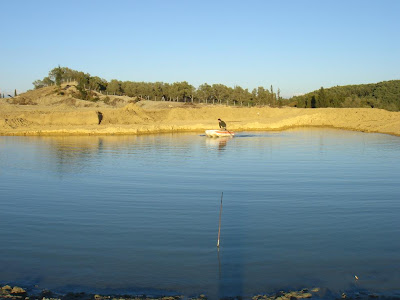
(250, 135)
(231, 274)
(231, 256)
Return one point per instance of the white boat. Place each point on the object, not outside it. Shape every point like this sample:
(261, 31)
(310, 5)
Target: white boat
(219, 133)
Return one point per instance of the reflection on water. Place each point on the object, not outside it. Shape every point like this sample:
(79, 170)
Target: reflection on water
(75, 153)
(218, 143)
(140, 213)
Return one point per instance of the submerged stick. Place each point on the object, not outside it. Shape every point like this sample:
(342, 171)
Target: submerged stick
(219, 227)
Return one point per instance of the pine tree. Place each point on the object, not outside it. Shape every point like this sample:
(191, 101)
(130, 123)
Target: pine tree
(313, 102)
(322, 98)
(273, 96)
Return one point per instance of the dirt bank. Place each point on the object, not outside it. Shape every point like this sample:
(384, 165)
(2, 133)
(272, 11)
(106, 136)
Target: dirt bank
(48, 113)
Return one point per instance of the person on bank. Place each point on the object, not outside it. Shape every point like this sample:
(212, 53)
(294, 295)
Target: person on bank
(222, 124)
(99, 116)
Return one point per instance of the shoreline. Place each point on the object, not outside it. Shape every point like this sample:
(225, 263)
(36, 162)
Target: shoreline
(145, 131)
(135, 119)
(34, 293)
(46, 111)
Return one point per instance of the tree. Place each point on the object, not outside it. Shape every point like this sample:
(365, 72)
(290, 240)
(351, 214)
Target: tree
(47, 81)
(69, 74)
(145, 89)
(59, 76)
(204, 92)
(239, 94)
(159, 89)
(220, 92)
(82, 80)
(181, 90)
(263, 96)
(272, 96)
(15, 92)
(129, 88)
(56, 75)
(37, 84)
(313, 102)
(167, 91)
(97, 83)
(322, 100)
(114, 87)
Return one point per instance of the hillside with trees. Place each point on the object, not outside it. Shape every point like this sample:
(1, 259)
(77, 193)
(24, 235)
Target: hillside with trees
(385, 95)
(177, 91)
(69, 102)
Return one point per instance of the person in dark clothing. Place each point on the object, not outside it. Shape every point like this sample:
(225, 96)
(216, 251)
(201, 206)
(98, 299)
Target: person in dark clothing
(222, 124)
(100, 117)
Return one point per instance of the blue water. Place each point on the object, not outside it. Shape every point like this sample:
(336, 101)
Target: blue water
(301, 208)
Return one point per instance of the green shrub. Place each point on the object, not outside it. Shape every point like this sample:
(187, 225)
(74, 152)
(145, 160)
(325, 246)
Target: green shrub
(106, 100)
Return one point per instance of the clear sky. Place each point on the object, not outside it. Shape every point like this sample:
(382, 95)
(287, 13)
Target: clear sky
(297, 46)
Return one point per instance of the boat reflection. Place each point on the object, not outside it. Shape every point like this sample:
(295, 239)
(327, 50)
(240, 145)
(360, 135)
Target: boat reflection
(219, 143)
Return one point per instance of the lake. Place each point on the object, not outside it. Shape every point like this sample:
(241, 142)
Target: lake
(139, 214)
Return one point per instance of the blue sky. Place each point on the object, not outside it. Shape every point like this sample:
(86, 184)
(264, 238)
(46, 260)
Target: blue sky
(296, 46)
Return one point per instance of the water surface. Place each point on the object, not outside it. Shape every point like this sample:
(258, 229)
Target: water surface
(301, 208)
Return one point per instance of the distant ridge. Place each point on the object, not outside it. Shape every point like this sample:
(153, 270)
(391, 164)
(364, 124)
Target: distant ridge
(385, 95)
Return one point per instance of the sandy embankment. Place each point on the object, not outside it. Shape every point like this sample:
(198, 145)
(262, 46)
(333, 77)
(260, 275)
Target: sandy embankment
(71, 117)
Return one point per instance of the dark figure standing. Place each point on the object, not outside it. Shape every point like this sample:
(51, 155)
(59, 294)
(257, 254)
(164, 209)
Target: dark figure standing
(99, 116)
(222, 124)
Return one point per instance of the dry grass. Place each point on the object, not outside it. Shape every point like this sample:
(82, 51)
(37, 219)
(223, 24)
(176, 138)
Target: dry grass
(21, 101)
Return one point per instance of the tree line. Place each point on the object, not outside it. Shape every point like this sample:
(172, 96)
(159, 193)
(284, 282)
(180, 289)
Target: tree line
(177, 91)
(385, 95)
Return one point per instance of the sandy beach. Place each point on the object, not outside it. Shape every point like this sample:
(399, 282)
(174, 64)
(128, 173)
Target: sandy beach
(45, 112)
